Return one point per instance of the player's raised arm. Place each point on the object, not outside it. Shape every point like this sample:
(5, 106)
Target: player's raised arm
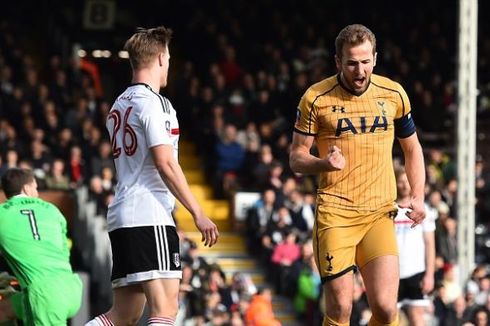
(173, 176)
(302, 161)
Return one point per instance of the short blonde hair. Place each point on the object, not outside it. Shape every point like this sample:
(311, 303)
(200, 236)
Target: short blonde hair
(145, 45)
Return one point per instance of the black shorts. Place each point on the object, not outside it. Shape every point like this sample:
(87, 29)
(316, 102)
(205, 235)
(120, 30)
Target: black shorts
(410, 290)
(144, 253)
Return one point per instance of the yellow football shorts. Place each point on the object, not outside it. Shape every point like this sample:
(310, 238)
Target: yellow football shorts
(344, 240)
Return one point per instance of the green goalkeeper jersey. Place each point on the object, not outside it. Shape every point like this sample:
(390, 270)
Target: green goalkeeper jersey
(33, 239)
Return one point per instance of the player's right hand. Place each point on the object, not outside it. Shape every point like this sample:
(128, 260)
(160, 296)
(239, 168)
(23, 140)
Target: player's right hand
(208, 229)
(335, 159)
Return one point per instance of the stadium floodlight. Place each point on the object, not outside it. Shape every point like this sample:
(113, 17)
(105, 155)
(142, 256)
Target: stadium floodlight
(106, 53)
(82, 53)
(123, 54)
(97, 53)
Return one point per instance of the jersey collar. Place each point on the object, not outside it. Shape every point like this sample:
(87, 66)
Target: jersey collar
(142, 84)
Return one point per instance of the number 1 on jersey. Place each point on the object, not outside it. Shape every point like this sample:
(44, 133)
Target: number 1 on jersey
(32, 221)
(130, 148)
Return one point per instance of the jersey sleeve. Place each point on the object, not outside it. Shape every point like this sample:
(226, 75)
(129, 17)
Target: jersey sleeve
(404, 124)
(306, 116)
(403, 103)
(155, 119)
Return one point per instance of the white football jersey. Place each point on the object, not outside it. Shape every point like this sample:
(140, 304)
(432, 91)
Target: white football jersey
(411, 245)
(138, 120)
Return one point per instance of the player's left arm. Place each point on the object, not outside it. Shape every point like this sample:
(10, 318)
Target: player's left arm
(415, 169)
(430, 261)
(405, 131)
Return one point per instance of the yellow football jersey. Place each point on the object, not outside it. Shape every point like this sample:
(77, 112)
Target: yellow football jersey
(362, 126)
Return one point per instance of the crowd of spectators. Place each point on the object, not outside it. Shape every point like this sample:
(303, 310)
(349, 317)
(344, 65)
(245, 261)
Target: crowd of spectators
(236, 98)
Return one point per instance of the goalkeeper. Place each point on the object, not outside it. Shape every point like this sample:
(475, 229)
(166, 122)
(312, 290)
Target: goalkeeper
(33, 242)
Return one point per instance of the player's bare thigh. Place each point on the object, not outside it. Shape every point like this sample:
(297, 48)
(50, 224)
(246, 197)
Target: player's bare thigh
(162, 295)
(338, 297)
(381, 277)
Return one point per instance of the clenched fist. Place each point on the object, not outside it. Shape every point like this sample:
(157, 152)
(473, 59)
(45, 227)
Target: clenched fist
(335, 159)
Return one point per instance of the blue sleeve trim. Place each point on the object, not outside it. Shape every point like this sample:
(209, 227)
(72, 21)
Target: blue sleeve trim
(404, 127)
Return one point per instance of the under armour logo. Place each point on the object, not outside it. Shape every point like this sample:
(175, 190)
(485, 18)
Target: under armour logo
(337, 108)
(329, 261)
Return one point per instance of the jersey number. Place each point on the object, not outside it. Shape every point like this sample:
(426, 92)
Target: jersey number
(32, 221)
(130, 142)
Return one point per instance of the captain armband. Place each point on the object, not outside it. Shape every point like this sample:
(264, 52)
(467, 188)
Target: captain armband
(404, 127)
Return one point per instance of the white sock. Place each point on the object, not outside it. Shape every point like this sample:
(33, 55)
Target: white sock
(101, 320)
(161, 321)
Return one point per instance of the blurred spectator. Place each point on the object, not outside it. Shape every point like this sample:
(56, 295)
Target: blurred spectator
(103, 159)
(450, 283)
(98, 194)
(446, 242)
(458, 313)
(260, 312)
(57, 178)
(258, 218)
(481, 317)
(284, 255)
(229, 160)
(308, 290)
(77, 169)
(302, 213)
(261, 170)
(107, 179)
(193, 258)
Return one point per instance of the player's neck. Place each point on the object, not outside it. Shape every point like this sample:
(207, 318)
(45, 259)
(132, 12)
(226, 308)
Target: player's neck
(146, 76)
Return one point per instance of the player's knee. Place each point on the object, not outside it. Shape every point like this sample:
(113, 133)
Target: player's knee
(126, 318)
(130, 320)
(339, 309)
(384, 313)
(168, 308)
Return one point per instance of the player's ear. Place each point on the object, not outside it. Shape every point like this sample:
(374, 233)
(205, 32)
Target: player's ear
(375, 57)
(338, 63)
(160, 59)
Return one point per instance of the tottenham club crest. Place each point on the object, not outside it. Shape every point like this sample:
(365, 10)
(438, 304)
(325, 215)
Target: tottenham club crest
(176, 259)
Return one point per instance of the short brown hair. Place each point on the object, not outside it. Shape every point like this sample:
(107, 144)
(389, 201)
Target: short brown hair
(14, 179)
(145, 45)
(354, 34)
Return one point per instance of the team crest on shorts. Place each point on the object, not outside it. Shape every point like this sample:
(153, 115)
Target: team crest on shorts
(329, 259)
(176, 259)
